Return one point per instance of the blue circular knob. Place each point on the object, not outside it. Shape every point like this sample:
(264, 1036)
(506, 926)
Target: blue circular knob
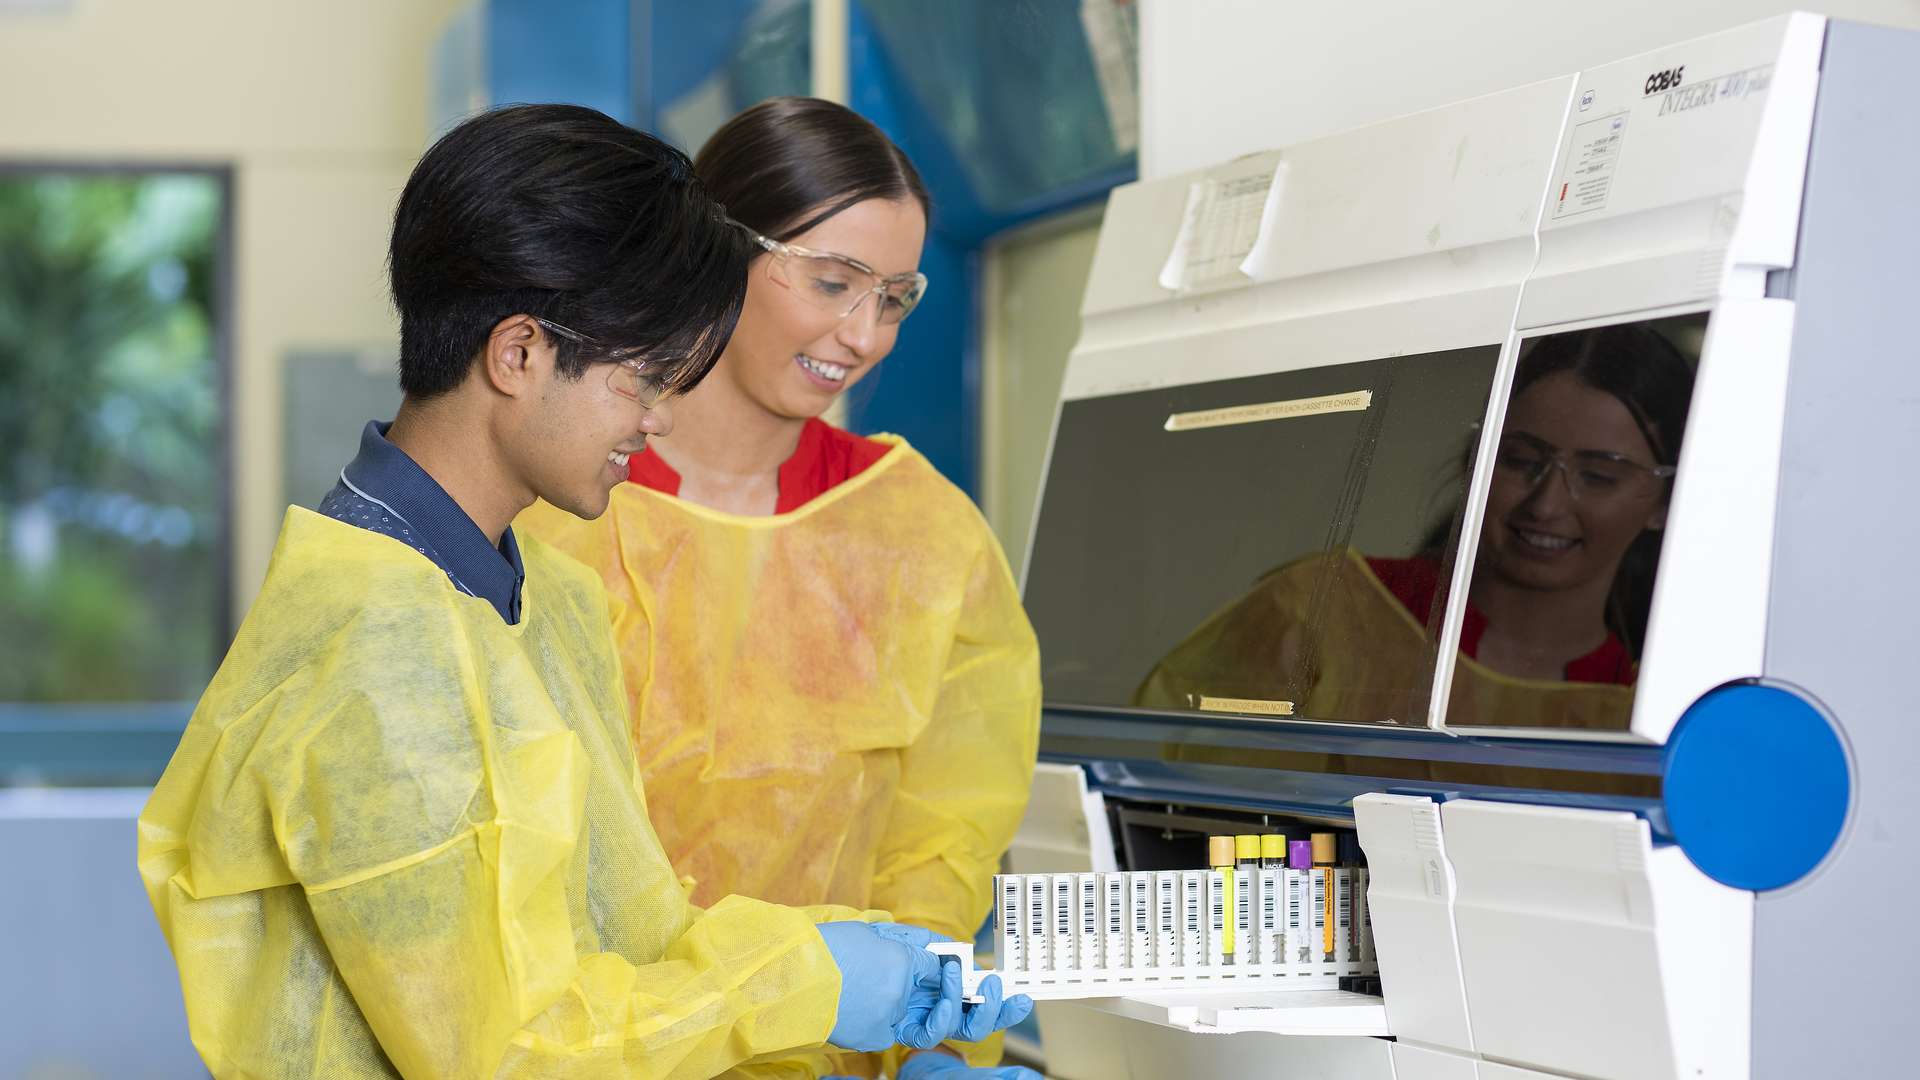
(1756, 785)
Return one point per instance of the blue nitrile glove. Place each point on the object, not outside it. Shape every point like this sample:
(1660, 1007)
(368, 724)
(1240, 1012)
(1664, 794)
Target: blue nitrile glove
(937, 1066)
(908, 934)
(992, 1014)
(890, 991)
(976, 1021)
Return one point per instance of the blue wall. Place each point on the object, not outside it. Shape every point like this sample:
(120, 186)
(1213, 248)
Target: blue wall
(579, 51)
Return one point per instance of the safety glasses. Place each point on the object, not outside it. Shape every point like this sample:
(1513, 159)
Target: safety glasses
(838, 284)
(627, 375)
(1591, 475)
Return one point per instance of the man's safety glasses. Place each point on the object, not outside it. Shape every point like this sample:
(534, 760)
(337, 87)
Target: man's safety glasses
(628, 376)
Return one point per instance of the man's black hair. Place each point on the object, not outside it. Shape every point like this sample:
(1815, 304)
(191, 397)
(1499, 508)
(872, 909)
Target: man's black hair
(561, 212)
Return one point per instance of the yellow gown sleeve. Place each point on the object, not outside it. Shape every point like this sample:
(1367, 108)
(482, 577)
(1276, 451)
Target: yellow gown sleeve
(964, 782)
(466, 963)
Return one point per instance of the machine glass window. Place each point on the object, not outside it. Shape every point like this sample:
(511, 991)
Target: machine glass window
(1577, 494)
(1271, 546)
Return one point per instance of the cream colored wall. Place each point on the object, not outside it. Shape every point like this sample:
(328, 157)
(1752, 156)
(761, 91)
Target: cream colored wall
(320, 107)
(1035, 279)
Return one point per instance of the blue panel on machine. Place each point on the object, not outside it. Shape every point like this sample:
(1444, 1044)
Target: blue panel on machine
(1742, 741)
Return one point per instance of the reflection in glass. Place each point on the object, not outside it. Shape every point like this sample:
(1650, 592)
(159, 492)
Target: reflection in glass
(1341, 530)
(1561, 583)
(1197, 545)
(1576, 503)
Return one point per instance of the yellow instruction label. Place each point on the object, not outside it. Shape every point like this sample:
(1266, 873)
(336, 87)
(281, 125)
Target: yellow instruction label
(1246, 705)
(1354, 401)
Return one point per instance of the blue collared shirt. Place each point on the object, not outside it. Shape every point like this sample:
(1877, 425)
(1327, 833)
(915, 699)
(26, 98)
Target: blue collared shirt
(385, 491)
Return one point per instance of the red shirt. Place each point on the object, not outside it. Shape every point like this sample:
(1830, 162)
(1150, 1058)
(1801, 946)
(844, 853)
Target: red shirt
(826, 458)
(1414, 582)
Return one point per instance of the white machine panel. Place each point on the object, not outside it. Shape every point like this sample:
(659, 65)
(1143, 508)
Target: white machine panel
(1588, 951)
(1411, 894)
(1675, 168)
(1332, 251)
(1412, 1062)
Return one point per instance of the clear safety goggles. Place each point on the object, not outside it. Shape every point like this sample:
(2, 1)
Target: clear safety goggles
(840, 284)
(1591, 475)
(627, 375)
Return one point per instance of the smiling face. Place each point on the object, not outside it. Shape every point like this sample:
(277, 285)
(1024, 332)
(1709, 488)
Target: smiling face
(572, 437)
(1536, 535)
(792, 358)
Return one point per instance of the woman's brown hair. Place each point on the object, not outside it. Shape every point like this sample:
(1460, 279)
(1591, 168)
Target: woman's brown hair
(790, 163)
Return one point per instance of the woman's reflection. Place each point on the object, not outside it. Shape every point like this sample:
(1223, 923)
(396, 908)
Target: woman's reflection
(1558, 600)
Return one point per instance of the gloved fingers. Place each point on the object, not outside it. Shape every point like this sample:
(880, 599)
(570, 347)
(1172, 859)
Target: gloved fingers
(946, 1014)
(1013, 1010)
(908, 934)
(925, 971)
(931, 1022)
(977, 1021)
(1009, 1072)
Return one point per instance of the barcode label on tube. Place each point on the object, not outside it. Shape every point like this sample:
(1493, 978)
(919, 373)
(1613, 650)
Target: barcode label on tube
(1322, 944)
(1166, 927)
(1114, 889)
(1347, 940)
(1297, 913)
(1194, 904)
(1036, 922)
(1244, 917)
(1219, 934)
(1010, 935)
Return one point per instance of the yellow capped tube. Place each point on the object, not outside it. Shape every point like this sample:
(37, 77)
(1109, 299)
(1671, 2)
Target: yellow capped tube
(1220, 859)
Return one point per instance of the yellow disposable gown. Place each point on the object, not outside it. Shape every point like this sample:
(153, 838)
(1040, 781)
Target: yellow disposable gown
(839, 704)
(402, 838)
(1325, 634)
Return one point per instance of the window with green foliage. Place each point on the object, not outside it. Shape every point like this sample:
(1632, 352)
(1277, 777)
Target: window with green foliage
(113, 532)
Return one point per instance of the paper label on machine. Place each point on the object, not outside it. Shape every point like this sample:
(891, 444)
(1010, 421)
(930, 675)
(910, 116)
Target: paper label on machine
(1592, 158)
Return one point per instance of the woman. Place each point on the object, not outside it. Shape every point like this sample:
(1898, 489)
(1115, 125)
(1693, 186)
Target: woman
(861, 724)
(1557, 604)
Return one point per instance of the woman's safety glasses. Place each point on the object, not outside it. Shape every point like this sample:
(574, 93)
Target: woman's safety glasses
(839, 284)
(1591, 475)
(627, 375)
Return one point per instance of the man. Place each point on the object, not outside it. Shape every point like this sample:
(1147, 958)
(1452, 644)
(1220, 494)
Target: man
(403, 833)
